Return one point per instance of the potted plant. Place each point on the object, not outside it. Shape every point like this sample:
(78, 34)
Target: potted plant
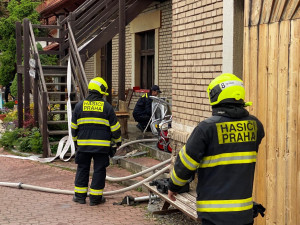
(3, 113)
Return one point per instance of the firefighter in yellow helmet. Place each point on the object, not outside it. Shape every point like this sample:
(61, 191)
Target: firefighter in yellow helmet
(95, 129)
(222, 149)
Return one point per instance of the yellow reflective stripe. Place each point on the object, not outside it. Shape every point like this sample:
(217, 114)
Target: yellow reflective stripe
(117, 140)
(228, 158)
(176, 180)
(93, 142)
(92, 120)
(80, 189)
(187, 161)
(96, 192)
(74, 126)
(74, 138)
(225, 205)
(145, 95)
(115, 127)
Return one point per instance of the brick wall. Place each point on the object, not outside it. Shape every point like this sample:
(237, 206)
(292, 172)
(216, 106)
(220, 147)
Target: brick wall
(197, 59)
(89, 68)
(115, 60)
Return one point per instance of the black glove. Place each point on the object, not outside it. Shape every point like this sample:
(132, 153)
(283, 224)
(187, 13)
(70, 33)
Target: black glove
(112, 151)
(258, 209)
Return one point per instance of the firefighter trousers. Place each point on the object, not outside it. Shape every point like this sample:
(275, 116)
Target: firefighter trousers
(83, 161)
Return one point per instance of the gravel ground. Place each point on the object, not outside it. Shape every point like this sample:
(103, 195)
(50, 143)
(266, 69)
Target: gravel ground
(176, 218)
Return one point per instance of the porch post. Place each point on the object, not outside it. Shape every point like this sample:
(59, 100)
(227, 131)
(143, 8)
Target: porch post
(19, 73)
(121, 93)
(26, 68)
(109, 70)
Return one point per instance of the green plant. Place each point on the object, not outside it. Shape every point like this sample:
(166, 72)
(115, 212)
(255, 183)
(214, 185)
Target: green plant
(9, 105)
(47, 59)
(11, 116)
(16, 10)
(9, 138)
(24, 140)
(14, 86)
(4, 110)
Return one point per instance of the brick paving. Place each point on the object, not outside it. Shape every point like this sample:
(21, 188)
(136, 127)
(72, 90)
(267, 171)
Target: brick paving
(33, 207)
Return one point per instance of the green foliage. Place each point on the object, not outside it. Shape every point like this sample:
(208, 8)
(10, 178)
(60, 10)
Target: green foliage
(17, 10)
(25, 140)
(9, 105)
(11, 116)
(9, 138)
(47, 59)
(14, 87)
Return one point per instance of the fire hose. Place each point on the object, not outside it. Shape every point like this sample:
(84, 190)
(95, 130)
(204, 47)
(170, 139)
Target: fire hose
(67, 143)
(67, 192)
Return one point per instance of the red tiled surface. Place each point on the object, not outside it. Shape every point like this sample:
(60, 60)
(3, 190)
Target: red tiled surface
(145, 161)
(34, 207)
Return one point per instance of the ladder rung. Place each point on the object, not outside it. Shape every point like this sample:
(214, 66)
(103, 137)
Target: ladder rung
(62, 102)
(57, 122)
(58, 132)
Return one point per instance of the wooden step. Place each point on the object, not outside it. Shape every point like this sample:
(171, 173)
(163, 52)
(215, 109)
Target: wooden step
(57, 122)
(62, 102)
(59, 92)
(58, 132)
(55, 75)
(56, 84)
(58, 112)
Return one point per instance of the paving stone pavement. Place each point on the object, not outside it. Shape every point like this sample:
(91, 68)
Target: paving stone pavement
(19, 206)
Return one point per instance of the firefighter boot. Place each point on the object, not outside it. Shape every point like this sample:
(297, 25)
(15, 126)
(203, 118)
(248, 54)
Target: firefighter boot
(79, 198)
(96, 200)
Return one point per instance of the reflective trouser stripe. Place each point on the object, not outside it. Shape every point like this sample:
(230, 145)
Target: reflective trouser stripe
(93, 142)
(228, 158)
(96, 192)
(225, 205)
(80, 189)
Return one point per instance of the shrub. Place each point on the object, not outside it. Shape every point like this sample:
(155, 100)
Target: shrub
(29, 122)
(11, 116)
(24, 140)
(9, 138)
(9, 105)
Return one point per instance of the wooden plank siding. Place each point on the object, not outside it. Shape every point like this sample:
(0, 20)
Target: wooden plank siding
(282, 94)
(293, 123)
(272, 82)
(262, 97)
(272, 121)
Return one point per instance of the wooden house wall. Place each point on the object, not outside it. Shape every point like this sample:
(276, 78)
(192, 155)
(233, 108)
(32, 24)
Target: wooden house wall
(272, 82)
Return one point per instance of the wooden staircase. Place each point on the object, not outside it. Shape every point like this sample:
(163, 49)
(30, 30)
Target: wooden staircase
(86, 30)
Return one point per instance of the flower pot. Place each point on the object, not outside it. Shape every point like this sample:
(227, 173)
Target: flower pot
(2, 116)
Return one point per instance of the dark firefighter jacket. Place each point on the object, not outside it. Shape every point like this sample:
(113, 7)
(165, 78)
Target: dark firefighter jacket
(143, 106)
(95, 125)
(223, 150)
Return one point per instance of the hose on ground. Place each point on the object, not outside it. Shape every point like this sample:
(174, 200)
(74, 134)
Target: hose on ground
(137, 141)
(59, 191)
(117, 179)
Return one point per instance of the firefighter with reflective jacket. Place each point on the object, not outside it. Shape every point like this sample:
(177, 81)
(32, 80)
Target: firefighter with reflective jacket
(143, 109)
(95, 129)
(223, 150)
